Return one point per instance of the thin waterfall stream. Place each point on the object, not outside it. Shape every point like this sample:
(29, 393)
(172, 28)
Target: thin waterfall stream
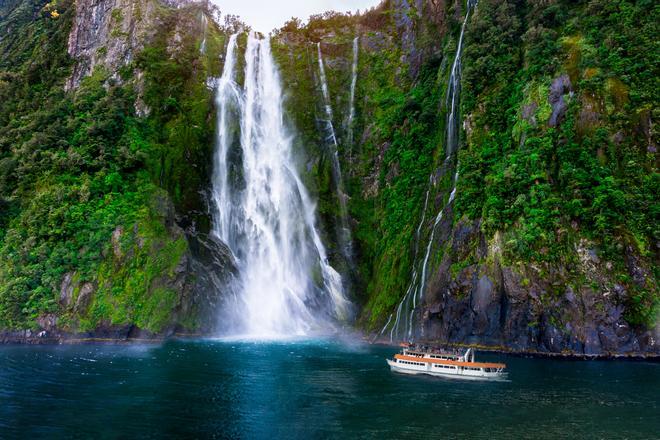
(344, 232)
(351, 102)
(205, 24)
(403, 326)
(285, 284)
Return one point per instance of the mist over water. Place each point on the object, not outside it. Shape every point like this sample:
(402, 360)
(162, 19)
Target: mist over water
(263, 212)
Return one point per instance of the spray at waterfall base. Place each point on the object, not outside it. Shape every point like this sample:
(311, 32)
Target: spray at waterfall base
(263, 211)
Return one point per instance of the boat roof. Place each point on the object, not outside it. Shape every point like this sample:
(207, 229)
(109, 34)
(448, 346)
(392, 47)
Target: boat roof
(448, 362)
(436, 353)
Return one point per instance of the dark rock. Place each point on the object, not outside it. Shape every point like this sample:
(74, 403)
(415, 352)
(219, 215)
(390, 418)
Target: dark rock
(560, 86)
(66, 289)
(84, 297)
(620, 291)
(552, 338)
(635, 268)
(592, 343)
(608, 339)
(213, 267)
(529, 113)
(613, 314)
(47, 322)
(96, 25)
(570, 295)
(404, 20)
(486, 304)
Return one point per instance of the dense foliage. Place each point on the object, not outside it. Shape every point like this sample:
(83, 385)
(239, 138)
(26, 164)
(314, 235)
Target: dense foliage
(593, 175)
(558, 152)
(557, 157)
(77, 166)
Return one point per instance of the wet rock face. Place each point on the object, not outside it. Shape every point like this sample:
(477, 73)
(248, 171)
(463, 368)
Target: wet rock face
(213, 266)
(560, 87)
(486, 304)
(109, 33)
(66, 290)
(404, 21)
(106, 33)
(525, 309)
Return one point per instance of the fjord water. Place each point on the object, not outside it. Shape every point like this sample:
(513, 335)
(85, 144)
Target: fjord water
(307, 390)
(285, 283)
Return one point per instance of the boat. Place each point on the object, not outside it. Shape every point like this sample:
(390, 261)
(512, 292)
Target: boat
(434, 362)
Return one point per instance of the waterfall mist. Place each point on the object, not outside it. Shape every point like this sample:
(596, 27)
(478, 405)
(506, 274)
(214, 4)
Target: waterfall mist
(285, 285)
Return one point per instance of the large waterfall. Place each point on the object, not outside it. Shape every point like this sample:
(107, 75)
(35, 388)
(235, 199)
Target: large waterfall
(285, 284)
(403, 326)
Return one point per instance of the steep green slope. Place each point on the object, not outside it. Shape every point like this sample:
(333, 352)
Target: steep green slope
(551, 243)
(88, 232)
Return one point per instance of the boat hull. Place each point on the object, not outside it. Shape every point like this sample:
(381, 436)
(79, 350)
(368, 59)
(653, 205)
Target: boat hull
(456, 373)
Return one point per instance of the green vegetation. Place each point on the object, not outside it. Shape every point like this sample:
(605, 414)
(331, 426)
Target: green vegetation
(74, 167)
(595, 174)
(557, 158)
(544, 189)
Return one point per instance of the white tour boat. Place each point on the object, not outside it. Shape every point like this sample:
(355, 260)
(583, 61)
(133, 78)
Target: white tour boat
(420, 360)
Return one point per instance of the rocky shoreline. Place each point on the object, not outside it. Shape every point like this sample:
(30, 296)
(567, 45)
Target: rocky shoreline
(114, 335)
(567, 355)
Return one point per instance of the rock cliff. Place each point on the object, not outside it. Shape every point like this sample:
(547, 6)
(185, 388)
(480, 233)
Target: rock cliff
(536, 231)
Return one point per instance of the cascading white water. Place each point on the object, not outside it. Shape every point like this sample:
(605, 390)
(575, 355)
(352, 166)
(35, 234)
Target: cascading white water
(285, 284)
(454, 88)
(205, 22)
(344, 232)
(351, 103)
(415, 293)
(228, 100)
(332, 137)
(413, 280)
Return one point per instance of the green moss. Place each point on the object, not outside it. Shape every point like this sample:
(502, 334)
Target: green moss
(132, 287)
(82, 164)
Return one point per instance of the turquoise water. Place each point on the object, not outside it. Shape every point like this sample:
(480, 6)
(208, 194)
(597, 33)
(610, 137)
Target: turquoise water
(308, 390)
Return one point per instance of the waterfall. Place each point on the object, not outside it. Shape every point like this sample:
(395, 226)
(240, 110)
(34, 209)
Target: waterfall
(202, 47)
(403, 328)
(326, 98)
(344, 232)
(453, 94)
(285, 285)
(228, 101)
(351, 104)
(452, 196)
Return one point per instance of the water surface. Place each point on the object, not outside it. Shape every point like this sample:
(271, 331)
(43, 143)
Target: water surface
(307, 390)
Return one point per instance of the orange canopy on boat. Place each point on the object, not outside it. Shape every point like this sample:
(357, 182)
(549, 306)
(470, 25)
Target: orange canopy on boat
(448, 362)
